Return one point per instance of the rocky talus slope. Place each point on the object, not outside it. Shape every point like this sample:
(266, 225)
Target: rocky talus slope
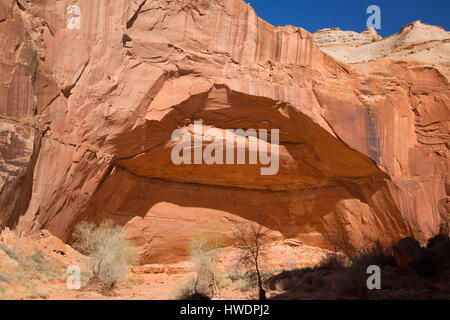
(91, 91)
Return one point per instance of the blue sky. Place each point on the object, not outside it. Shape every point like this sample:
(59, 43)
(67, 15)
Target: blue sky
(351, 14)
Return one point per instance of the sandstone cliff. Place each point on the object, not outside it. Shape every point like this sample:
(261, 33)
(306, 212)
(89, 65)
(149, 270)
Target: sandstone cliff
(89, 98)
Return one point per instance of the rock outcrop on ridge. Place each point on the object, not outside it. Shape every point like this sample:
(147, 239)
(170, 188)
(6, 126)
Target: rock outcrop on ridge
(336, 38)
(416, 41)
(91, 91)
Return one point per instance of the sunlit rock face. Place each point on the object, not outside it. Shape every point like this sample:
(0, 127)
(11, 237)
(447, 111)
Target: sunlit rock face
(90, 96)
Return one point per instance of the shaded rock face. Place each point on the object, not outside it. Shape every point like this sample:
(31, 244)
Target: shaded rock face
(88, 103)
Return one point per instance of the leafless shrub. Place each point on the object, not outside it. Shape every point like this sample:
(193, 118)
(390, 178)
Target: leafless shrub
(147, 250)
(353, 279)
(245, 284)
(42, 293)
(250, 237)
(204, 258)
(110, 252)
(337, 235)
(312, 282)
(331, 261)
(235, 272)
(188, 293)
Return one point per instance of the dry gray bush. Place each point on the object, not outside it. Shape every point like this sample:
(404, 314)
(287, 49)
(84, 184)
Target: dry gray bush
(204, 257)
(110, 252)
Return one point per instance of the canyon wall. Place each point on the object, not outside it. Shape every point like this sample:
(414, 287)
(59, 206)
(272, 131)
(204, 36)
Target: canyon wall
(91, 91)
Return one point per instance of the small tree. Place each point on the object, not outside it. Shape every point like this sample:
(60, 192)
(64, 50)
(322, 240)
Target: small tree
(250, 237)
(110, 252)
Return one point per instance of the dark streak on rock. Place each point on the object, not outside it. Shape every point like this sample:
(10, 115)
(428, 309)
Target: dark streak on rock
(136, 14)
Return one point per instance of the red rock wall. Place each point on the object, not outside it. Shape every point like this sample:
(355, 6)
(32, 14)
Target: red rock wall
(368, 144)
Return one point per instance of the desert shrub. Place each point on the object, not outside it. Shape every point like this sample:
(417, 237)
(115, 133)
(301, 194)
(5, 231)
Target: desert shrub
(312, 279)
(352, 281)
(306, 279)
(136, 281)
(425, 266)
(224, 282)
(311, 282)
(250, 280)
(54, 274)
(3, 278)
(204, 258)
(331, 261)
(338, 236)
(306, 270)
(294, 282)
(189, 292)
(376, 255)
(291, 283)
(9, 252)
(354, 277)
(245, 284)
(234, 275)
(281, 284)
(440, 253)
(435, 260)
(39, 262)
(236, 272)
(196, 296)
(110, 252)
(437, 239)
(42, 293)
